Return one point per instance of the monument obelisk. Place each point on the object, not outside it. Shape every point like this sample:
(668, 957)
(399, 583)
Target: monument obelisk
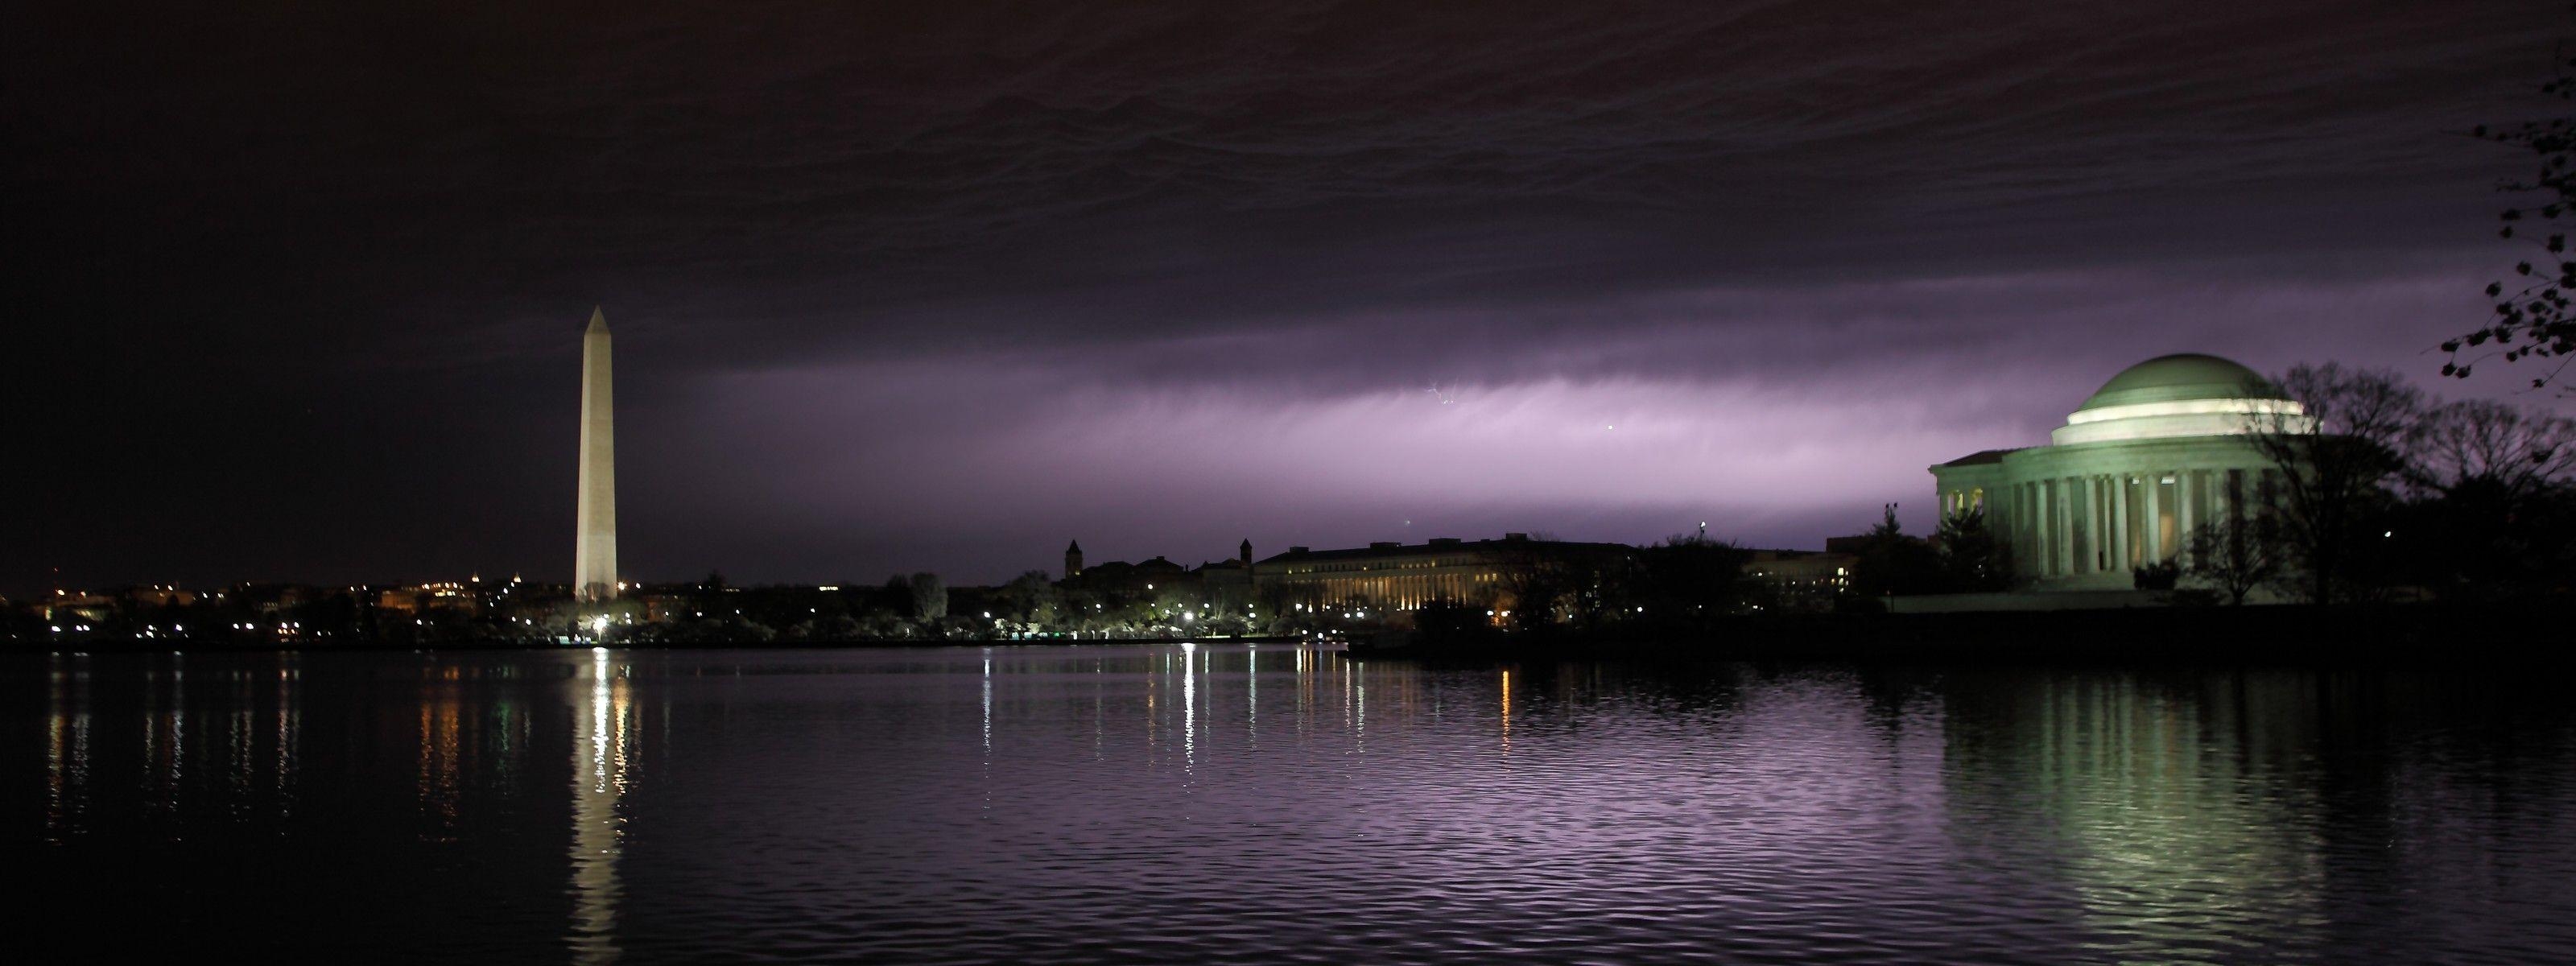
(594, 568)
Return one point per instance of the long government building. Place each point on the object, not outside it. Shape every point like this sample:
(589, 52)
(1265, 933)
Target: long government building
(1399, 576)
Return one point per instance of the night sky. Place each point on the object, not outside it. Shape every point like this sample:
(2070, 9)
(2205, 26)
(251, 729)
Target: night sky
(297, 290)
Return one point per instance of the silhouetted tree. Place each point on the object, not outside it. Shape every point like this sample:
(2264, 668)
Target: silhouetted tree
(2335, 466)
(2479, 442)
(929, 598)
(2491, 520)
(2534, 315)
(1030, 599)
(1890, 562)
(1687, 577)
(1538, 587)
(2235, 555)
(1970, 555)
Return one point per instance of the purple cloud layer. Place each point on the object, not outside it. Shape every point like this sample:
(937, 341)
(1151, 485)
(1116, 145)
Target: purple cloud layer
(900, 287)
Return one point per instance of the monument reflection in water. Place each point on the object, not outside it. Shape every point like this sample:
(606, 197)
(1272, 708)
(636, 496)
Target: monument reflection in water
(600, 711)
(1224, 802)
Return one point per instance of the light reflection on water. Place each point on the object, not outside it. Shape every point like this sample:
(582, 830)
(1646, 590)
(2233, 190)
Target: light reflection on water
(598, 786)
(1226, 802)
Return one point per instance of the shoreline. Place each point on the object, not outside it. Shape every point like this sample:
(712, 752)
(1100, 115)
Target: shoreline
(2428, 635)
(181, 646)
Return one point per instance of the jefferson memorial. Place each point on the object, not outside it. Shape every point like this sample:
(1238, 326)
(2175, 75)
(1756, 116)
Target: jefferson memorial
(2158, 452)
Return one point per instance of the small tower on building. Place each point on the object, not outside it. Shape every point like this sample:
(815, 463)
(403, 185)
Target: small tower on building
(1244, 553)
(1073, 560)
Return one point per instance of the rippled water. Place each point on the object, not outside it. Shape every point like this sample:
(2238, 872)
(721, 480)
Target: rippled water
(1226, 803)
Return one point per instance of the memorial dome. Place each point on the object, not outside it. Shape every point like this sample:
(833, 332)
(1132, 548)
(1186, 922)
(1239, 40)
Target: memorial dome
(2187, 394)
(2186, 375)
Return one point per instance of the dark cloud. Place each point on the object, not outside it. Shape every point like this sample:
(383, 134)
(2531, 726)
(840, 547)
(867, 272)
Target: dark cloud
(904, 285)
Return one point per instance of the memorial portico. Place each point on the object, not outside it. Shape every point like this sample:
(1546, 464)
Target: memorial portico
(2160, 450)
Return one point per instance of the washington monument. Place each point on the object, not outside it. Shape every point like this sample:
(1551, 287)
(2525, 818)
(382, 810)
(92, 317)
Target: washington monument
(594, 568)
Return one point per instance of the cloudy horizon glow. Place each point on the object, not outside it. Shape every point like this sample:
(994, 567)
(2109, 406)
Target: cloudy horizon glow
(897, 289)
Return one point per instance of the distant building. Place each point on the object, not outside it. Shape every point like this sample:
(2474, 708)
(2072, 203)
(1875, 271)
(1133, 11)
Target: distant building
(76, 603)
(2157, 452)
(272, 599)
(1228, 574)
(1129, 579)
(1800, 580)
(160, 595)
(1397, 576)
(444, 596)
(1073, 560)
(663, 608)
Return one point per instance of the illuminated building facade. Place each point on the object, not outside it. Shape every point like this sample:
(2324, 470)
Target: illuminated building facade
(160, 595)
(1398, 576)
(79, 604)
(446, 595)
(1800, 580)
(2159, 451)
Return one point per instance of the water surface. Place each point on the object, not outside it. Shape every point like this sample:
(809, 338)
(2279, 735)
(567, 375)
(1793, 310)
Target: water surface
(1232, 803)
